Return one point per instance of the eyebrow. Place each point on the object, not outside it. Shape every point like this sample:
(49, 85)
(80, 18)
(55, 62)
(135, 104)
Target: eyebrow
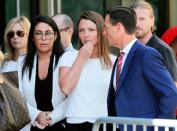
(42, 31)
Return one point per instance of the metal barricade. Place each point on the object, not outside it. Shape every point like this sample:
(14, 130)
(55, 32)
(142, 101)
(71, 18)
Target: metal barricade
(126, 121)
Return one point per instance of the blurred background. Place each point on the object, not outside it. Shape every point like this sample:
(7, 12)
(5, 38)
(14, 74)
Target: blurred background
(165, 10)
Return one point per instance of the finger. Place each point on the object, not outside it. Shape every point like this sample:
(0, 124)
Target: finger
(48, 117)
(40, 126)
(44, 122)
(49, 121)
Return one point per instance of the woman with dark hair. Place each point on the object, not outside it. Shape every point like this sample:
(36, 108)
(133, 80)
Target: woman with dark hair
(85, 75)
(39, 76)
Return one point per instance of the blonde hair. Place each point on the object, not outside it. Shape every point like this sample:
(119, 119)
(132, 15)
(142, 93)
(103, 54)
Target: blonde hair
(144, 5)
(1, 57)
(25, 23)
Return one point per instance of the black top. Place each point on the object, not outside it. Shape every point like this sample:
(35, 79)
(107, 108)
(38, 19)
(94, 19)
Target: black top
(167, 54)
(43, 96)
(43, 89)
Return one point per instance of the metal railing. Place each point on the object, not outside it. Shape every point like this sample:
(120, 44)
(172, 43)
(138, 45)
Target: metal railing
(134, 122)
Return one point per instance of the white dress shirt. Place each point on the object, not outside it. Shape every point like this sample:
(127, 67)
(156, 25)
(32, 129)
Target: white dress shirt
(126, 50)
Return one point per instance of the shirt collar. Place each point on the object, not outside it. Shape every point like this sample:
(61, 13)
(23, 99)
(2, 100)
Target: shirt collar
(70, 47)
(128, 46)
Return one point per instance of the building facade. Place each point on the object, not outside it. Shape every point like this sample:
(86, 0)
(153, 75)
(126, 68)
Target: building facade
(165, 10)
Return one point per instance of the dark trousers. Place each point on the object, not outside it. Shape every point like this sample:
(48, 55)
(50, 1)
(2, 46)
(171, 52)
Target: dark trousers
(86, 126)
(56, 127)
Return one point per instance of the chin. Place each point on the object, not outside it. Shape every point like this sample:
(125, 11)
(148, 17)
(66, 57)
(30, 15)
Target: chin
(138, 36)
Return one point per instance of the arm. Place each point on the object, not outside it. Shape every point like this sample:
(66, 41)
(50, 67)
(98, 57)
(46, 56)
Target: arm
(161, 82)
(170, 63)
(72, 74)
(58, 113)
(38, 118)
(33, 112)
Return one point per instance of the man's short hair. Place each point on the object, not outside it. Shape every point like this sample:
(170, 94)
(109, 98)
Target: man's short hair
(124, 15)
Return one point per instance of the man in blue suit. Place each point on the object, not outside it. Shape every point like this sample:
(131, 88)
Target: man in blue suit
(145, 89)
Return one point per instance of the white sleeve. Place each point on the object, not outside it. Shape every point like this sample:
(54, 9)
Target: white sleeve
(33, 112)
(58, 113)
(68, 58)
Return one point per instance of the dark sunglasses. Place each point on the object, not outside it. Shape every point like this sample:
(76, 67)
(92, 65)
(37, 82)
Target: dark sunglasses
(11, 34)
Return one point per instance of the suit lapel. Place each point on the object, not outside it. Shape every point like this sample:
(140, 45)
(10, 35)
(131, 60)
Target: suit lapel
(112, 75)
(127, 65)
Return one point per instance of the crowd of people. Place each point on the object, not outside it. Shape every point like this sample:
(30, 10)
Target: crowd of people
(67, 89)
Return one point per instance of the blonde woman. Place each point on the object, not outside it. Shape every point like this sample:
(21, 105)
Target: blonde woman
(15, 41)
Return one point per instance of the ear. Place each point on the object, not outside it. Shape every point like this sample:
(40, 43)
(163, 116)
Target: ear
(152, 20)
(118, 26)
(71, 30)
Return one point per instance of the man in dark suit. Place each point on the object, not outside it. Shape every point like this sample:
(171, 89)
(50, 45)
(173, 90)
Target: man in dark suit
(144, 32)
(145, 89)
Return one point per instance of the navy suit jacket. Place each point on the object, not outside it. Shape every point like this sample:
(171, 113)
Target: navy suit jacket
(145, 89)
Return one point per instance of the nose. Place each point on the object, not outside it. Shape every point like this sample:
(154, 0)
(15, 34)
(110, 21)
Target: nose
(43, 37)
(85, 33)
(15, 35)
(137, 23)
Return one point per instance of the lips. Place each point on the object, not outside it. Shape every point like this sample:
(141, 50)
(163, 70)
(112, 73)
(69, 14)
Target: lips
(43, 44)
(15, 42)
(86, 41)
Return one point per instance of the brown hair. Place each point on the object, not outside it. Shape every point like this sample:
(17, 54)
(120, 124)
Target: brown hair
(103, 46)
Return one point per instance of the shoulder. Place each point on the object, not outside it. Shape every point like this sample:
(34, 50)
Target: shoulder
(8, 66)
(68, 58)
(151, 55)
(69, 54)
(21, 60)
(145, 51)
(158, 44)
(112, 57)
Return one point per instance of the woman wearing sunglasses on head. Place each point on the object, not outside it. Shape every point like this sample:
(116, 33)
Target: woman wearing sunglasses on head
(39, 76)
(15, 41)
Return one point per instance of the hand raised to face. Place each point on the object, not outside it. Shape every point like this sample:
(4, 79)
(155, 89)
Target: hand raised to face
(86, 50)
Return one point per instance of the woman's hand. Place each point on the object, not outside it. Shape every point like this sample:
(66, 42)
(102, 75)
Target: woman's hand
(43, 120)
(86, 50)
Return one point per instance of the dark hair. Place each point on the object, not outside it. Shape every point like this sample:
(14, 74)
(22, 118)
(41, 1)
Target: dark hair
(124, 15)
(57, 50)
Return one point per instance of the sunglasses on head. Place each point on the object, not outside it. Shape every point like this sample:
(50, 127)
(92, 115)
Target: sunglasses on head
(19, 33)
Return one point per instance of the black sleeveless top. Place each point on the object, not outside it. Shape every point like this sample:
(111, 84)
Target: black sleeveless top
(43, 89)
(43, 96)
